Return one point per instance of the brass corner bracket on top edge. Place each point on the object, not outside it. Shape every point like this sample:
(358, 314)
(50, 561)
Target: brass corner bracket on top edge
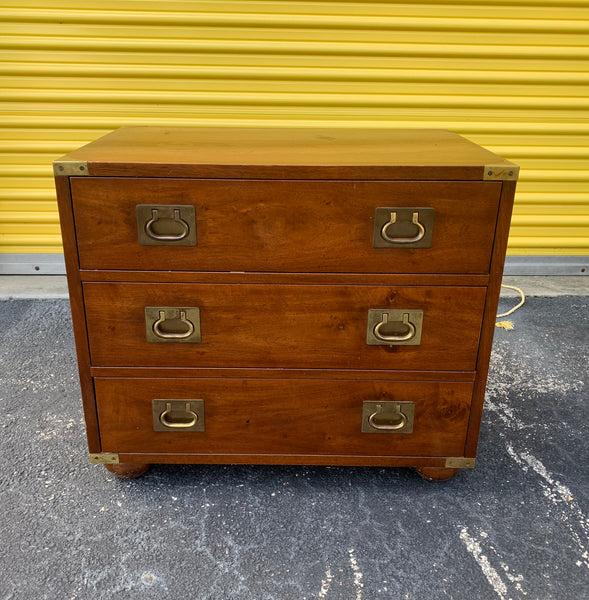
(501, 173)
(70, 167)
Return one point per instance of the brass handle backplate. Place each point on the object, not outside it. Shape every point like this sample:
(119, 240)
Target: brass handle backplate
(172, 324)
(178, 415)
(394, 327)
(402, 227)
(388, 417)
(166, 225)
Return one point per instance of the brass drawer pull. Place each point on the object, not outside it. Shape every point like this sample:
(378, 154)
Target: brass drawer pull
(183, 423)
(397, 421)
(183, 415)
(388, 417)
(168, 335)
(403, 227)
(411, 331)
(172, 324)
(166, 225)
(403, 240)
(394, 327)
(155, 217)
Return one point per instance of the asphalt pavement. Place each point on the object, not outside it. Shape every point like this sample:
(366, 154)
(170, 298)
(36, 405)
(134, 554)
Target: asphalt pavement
(515, 527)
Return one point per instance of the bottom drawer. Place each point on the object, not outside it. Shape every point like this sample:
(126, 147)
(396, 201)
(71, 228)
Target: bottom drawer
(283, 417)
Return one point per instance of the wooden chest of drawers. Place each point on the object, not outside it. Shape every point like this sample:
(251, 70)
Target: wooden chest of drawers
(281, 296)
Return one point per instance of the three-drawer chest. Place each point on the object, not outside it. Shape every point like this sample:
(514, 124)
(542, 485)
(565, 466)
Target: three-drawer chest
(284, 296)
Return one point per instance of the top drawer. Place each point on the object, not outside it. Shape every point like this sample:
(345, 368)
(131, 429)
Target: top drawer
(285, 226)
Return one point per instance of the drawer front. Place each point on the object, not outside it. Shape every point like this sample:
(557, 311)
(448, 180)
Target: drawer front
(274, 416)
(283, 326)
(285, 226)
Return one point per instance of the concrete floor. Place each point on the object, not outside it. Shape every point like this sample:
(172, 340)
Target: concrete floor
(513, 528)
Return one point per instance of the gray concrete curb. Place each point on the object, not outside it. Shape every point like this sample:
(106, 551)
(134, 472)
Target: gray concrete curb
(39, 287)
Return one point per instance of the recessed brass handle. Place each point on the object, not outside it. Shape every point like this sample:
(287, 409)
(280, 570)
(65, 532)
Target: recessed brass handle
(167, 335)
(166, 224)
(386, 417)
(190, 420)
(394, 327)
(172, 324)
(396, 421)
(155, 217)
(403, 240)
(409, 227)
(411, 330)
(178, 415)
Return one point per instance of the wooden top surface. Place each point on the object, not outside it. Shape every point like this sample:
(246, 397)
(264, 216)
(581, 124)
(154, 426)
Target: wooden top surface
(286, 153)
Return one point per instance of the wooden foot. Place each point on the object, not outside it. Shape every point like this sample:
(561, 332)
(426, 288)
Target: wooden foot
(436, 473)
(127, 470)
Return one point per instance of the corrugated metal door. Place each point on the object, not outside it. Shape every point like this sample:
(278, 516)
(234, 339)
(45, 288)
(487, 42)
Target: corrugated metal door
(511, 77)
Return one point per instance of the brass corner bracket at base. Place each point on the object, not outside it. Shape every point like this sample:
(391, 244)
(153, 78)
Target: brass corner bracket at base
(460, 463)
(70, 167)
(104, 458)
(501, 173)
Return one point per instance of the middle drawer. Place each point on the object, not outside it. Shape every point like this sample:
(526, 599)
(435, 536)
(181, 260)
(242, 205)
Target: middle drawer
(283, 326)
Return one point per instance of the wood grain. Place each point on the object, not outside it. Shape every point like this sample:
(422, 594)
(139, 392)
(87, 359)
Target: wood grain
(284, 273)
(274, 416)
(283, 326)
(253, 373)
(279, 278)
(437, 473)
(78, 312)
(286, 153)
(127, 470)
(235, 458)
(489, 317)
(280, 226)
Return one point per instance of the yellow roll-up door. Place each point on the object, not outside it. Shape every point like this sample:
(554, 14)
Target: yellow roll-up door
(511, 76)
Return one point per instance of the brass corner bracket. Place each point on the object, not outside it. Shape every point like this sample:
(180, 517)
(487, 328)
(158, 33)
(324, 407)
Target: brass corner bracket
(104, 458)
(70, 167)
(460, 463)
(501, 173)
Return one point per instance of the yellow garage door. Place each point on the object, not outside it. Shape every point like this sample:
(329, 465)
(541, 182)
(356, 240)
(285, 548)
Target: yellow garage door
(511, 76)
